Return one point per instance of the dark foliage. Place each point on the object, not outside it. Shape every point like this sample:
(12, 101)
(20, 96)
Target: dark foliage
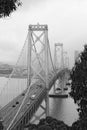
(50, 123)
(8, 6)
(79, 83)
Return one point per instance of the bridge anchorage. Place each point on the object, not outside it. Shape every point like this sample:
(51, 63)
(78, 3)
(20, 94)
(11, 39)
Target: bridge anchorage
(35, 71)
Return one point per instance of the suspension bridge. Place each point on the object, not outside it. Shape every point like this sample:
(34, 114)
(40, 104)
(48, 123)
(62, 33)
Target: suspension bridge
(27, 87)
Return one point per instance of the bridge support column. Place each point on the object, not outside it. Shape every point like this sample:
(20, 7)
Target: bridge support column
(63, 81)
(44, 57)
(58, 56)
(42, 111)
(60, 83)
(54, 88)
(29, 60)
(47, 104)
(46, 72)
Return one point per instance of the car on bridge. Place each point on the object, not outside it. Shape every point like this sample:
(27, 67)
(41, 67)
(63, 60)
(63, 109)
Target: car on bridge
(28, 103)
(33, 96)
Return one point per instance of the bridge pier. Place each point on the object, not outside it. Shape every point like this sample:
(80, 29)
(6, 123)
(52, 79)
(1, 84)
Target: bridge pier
(60, 84)
(56, 86)
(62, 81)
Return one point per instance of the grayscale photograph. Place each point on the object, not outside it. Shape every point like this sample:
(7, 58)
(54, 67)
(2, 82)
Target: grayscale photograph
(43, 64)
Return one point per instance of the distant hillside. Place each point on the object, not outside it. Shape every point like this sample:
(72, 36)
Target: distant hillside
(19, 71)
(5, 68)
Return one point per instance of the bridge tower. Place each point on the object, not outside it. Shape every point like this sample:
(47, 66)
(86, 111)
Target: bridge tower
(58, 56)
(38, 47)
(58, 61)
(66, 60)
(39, 64)
(36, 34)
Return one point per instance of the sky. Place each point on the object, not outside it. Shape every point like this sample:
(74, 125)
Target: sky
(66, 20)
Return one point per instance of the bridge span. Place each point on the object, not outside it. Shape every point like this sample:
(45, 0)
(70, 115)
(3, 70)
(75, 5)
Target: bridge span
(39, 73)
(31, 104)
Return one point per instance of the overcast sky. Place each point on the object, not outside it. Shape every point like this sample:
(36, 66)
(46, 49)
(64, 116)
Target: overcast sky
(66, 19)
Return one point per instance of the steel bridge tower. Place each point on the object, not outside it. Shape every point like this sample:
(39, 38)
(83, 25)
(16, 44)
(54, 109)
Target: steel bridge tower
(36, 34)
(39, 64)
(58, 48)
(66, 60)
(62, 81)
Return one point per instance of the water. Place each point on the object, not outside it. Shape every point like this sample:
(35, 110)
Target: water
(64, 109)
(11, 88)
(61, 109)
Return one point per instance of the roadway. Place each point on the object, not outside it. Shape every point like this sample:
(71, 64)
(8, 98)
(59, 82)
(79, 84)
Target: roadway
(35, 97)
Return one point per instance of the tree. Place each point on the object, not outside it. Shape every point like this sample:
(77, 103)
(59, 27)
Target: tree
(79, 83)
(8, 6)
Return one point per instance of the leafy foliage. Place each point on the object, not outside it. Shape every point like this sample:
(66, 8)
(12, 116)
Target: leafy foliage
(79, 83)
(8, 6)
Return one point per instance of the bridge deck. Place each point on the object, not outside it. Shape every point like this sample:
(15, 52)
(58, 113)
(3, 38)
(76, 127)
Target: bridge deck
(8, 112)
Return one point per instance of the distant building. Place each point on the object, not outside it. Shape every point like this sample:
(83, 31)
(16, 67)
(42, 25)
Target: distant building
(76, 55)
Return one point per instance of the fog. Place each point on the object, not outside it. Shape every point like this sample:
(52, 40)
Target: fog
(67, 24)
